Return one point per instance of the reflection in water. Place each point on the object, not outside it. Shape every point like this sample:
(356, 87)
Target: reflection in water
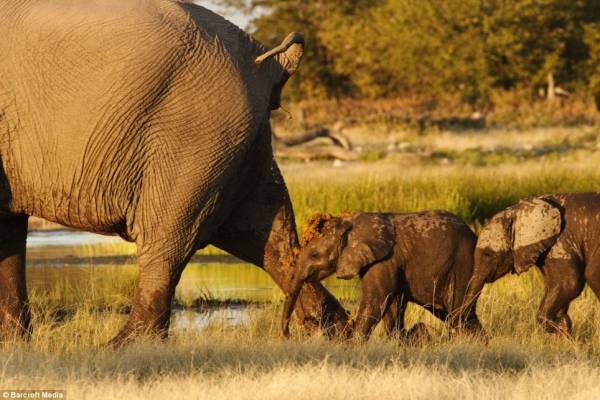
(193, 320)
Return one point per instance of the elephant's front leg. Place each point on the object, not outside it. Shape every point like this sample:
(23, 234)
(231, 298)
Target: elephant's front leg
(378, 294)
(14, 308)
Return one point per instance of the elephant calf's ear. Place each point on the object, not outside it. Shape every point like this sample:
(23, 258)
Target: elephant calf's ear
(371, 239)
(288, 56)
(536, 227)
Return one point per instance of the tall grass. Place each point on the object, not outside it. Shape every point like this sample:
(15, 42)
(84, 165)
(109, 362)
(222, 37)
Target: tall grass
(472, 193)
(251, 361)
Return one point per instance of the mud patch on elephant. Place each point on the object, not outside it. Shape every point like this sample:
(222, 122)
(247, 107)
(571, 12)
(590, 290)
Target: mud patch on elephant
(314, 228)
(535, 221)
(558, 252)
(494, 236)
(425, 225)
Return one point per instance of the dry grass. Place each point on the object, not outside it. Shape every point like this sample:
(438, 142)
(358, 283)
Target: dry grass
(251, 361)
(329, 381)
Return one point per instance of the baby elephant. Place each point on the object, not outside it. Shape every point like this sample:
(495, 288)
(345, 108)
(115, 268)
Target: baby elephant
(425, 258)
(558, 233)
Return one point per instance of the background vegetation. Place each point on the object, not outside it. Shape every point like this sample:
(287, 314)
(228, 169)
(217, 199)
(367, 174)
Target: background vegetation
(469, 48)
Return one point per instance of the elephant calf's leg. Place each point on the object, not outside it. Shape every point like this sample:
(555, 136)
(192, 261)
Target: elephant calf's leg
(592, 276)
(564, 282)
(563, 321)
(377, 297)
(393, 318)
(369, 314)
(14, 309)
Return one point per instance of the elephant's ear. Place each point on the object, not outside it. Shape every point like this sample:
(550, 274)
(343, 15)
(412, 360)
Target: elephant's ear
(536, 227)
(288, 56)
(495, 235)
(370, 239)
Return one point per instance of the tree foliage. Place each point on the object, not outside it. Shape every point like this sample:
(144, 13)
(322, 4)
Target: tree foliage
(373, 48)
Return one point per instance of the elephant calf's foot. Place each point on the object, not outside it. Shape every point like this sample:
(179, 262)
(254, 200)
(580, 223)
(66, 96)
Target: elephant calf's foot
(418, 334)
(556, 328)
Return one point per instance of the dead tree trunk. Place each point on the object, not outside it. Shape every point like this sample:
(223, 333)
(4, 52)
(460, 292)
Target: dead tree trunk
(551, 89)
(300, 146)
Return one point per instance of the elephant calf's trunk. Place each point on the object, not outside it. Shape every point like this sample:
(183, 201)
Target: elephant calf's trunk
(288, 306)
(465, 316)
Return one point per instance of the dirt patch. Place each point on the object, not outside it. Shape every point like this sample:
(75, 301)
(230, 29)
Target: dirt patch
(314, 227)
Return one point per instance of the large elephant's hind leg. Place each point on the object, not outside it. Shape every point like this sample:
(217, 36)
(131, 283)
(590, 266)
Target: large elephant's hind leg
(163, 254)
(262, 230)
(14, 308)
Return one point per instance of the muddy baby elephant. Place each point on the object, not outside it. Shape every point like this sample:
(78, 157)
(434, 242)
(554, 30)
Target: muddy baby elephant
(558, 233)
(425, 258)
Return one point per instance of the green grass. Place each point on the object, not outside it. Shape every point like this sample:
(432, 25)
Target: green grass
(473, 193)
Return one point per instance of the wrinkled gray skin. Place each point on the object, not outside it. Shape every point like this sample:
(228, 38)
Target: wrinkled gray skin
(558, 233)
(147, 119)
(425, 258)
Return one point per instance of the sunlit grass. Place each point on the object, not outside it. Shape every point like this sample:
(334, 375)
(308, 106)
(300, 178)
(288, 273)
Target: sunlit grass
(251, 361)
(77, 309)
(472, 193)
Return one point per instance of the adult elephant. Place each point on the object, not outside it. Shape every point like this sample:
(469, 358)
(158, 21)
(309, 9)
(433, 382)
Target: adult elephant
(148, 119)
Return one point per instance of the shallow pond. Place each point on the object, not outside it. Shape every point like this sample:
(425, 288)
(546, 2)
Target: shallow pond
(193, 320)
(75, 256)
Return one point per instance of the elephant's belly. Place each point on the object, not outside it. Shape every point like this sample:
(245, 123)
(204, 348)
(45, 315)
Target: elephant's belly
(425, 291)
(95, 211)
(79, 215)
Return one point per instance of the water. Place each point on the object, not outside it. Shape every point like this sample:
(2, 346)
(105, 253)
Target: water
(68, 238)
(77, 257)
(231, 316)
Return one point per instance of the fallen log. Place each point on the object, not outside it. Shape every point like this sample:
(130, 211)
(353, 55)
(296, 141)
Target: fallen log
(300, 147)
(317, 153)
